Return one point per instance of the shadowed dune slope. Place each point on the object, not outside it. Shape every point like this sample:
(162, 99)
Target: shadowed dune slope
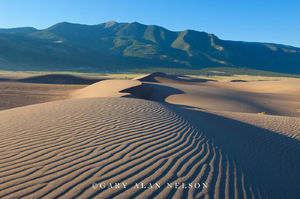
(84, 141)
(59, 79)
(150, 91)
(4, 79)
(166, 78)
(272, 157)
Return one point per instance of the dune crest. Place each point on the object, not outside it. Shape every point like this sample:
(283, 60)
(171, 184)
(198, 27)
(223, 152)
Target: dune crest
(106, 88)
(160, 77)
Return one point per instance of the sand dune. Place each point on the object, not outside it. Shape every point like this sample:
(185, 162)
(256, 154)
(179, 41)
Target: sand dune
(220, 99)
(166, 78)
(270, 152)
(206, 135)
(58, 79)
(275, 87)
(106, 88)
(288, 126)
(270, 97)
(108, 140)
(224, 99)
(16, 94)
(48, 79)
(113, 140)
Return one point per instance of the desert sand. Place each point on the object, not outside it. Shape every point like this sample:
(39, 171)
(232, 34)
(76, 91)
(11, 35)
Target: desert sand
(221, 139)
(16, 94)
(106, 88)
(24, 89)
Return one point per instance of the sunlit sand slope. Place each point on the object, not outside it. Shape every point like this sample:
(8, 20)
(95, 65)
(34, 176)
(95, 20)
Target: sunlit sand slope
(61, 149)
(106, 88)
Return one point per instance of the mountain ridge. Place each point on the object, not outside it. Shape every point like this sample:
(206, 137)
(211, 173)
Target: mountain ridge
(134, 45)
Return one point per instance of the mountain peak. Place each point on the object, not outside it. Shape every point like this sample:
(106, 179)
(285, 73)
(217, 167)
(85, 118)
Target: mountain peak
(59, 25)
(110, 24)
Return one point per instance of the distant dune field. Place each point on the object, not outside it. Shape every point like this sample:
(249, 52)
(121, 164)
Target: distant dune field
(16, 94)
(158, 136)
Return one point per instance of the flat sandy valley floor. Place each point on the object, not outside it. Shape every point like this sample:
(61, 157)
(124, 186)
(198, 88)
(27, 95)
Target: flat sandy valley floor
(156, 136)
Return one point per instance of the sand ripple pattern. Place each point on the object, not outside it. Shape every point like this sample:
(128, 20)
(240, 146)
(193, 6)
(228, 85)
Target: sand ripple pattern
(60, 149)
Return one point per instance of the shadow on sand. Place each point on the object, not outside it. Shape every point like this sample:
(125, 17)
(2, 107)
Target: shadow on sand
(180, 78)
(153, 92)
(269, 159)
(59, 79)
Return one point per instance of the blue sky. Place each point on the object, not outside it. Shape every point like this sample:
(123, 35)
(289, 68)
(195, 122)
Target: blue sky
(275, 21)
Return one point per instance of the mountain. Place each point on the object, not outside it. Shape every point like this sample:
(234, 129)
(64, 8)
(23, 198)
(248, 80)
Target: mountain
(121, 46)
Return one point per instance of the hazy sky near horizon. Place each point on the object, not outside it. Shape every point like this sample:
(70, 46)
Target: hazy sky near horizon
(274, 21)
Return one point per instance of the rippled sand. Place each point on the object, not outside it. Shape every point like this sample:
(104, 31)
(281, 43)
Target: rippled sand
(75, 148)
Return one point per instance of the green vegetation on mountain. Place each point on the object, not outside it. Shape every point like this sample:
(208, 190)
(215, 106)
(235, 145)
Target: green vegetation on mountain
(115, 46)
